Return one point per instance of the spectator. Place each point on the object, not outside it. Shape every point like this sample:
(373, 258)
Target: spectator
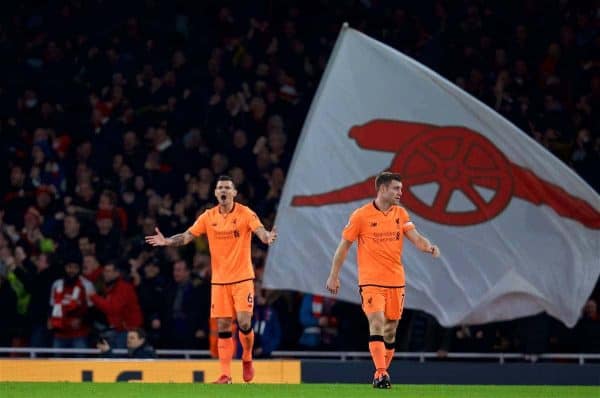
(67, 245)
(84, 204)
(93, 272)
(68, 299)
(107, 208)
(151, 288)
(119, 304)
(240, 150)
(15, 264)
(185, 321)
(137, 346)
(8, 298)
(583, 159)
(588, 328)
(471, 339)
(267, 329)
(37, 276)
(108, 238)
(46, 205)
(320, 326)
(17, 197)
(31, 237)
(132, 151)
(87, 247)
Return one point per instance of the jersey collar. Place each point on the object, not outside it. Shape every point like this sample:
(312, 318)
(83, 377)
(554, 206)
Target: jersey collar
(385, 213)
(228, 213)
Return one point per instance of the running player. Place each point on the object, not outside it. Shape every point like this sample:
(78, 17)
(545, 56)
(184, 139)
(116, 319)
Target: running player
(380, 227)
(229, 227)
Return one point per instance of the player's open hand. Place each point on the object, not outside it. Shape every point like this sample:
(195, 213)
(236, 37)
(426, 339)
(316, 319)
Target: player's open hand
(272, 235)
(156, 240)
(333, 284)
(435, 251)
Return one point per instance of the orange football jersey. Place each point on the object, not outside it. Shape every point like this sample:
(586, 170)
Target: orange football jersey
(229, 237)
(380, 236)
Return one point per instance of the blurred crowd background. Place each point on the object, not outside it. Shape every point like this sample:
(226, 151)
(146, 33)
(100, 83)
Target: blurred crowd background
(117, 116)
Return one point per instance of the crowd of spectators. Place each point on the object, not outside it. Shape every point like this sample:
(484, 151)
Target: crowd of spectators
(116, 117)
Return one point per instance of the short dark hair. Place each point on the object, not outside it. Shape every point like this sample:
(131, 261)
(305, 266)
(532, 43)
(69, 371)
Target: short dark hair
(152, 260)
(112, 263)
(140, 332)
(111, 195)
(225, 177)
(73, 257)
(385, 177)
(185, 264)
(85, 236)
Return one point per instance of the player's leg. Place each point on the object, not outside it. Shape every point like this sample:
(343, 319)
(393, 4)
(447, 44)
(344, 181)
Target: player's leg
(243, 297)
(376, 345)
(222, 310)
(226, 348)
(389, 340)
(373, 303)
(394, 305)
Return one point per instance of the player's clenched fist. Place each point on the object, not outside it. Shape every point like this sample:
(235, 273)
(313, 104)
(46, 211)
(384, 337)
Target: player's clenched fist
(333, 284)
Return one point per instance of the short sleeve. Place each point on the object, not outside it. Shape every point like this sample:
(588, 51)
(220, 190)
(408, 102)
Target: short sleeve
(253, 221)
(352, 229)
(199, 226)
(407, 225)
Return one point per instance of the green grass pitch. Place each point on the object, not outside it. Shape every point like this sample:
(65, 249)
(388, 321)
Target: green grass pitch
(134, 390)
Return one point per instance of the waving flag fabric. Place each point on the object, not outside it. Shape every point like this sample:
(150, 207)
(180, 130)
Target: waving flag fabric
(518, 230)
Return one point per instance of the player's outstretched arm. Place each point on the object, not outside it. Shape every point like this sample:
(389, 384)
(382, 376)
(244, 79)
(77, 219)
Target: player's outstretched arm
(175, 240)
(422, 243)
(333, 281)
(266, 237)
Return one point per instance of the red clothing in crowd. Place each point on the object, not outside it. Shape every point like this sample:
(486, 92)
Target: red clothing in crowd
(69, 307)
(118, 215)
(120, 305)
(95, 275)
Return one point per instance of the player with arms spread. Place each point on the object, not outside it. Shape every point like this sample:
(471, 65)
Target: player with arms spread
(380, 227)
(229, 227)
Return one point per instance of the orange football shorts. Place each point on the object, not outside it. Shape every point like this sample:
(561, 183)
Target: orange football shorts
(227, 300)
(389, 300)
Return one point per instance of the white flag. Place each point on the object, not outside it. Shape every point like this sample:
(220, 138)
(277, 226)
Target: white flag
(518, 230)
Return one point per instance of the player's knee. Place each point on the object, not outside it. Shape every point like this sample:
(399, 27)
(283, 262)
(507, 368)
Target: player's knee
(376, 323)
(376, 327)
(224, 324)
(244, 324)
(389, 330)
(389, 333)
(244, 320)
(389, 336)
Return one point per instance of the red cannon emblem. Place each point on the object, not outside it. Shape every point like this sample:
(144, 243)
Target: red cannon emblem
(457, 160)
